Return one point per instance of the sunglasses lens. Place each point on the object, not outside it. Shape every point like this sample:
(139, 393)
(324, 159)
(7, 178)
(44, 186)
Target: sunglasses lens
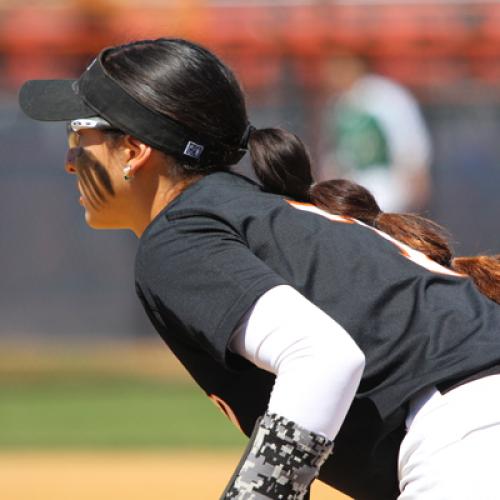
(72, 136)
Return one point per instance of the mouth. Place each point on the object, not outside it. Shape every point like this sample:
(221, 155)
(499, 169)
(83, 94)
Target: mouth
(82, 199)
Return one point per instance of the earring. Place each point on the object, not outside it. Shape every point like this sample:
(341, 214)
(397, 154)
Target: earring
(126, 173)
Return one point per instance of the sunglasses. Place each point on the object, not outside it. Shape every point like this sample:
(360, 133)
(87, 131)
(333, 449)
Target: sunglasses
(95, 122)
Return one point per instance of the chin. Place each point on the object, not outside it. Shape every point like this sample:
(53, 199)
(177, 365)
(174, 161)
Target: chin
(96, 222)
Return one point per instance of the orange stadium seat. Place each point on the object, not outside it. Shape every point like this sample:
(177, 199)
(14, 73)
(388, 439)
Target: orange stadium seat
(413, 29)
(405, 38)
(422, 71)
(36, 40)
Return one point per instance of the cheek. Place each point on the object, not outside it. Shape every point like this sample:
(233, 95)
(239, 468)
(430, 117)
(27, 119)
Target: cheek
(95, 179)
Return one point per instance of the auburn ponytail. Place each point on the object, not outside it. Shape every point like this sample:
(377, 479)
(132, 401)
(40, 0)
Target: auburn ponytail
(484, 270)
(281, 162)
(343, 197)
(347, 198)
(419, 233)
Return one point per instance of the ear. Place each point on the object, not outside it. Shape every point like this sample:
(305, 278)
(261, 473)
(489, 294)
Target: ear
(136, 153)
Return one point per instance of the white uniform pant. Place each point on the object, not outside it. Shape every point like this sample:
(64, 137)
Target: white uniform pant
(452, 448)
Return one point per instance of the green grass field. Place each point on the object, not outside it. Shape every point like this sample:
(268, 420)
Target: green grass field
(114, 421)
(91, 408)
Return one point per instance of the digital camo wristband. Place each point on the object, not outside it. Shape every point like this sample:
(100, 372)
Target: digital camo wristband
(281, 461)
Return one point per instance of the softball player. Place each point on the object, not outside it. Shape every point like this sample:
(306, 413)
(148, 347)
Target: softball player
(305, 327)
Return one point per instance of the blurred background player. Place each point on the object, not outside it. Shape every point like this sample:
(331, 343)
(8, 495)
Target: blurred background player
(374, 134)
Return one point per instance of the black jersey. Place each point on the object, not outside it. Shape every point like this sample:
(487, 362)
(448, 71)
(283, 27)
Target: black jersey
(223, 242)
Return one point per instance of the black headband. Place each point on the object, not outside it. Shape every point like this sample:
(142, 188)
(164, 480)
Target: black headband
(97, 93)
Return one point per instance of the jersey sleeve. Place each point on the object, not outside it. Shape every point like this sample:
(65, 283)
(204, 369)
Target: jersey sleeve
(197, 278)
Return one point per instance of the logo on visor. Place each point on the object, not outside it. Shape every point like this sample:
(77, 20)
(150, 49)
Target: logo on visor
(193, 150)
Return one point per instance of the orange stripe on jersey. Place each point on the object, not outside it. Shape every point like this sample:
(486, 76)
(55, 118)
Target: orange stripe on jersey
(226, 409)
(418, 257)
(299, 203)
(308, 207)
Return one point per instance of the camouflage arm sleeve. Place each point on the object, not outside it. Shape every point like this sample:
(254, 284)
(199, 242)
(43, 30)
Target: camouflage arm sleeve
(281, 461)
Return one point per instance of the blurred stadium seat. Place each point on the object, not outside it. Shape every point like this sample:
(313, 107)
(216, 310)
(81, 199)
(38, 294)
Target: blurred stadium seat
(46, 36)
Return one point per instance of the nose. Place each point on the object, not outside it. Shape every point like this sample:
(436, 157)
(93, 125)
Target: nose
(69, 164)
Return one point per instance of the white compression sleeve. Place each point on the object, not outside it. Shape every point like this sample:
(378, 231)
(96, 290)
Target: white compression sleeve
(318, 366)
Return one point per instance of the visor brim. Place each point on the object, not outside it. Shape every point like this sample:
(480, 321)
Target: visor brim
(53, 100)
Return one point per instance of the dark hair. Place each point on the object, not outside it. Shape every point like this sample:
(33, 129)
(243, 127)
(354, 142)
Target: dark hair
(281, 162)
(186, 82)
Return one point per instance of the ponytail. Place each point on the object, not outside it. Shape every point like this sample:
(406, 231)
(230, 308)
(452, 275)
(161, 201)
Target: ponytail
(419, 233)
(281, 162)
(484, 270)
(346, 198)
(343, 197)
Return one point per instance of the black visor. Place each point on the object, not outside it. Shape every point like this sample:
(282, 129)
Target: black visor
(53, 100)
(95, 93)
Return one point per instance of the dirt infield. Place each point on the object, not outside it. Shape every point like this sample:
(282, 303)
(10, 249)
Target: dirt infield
(122, 476)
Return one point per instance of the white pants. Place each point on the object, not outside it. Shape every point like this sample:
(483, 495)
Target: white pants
(452, 448)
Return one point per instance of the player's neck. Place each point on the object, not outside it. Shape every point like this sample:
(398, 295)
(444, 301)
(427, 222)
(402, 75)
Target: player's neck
(155, 197)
